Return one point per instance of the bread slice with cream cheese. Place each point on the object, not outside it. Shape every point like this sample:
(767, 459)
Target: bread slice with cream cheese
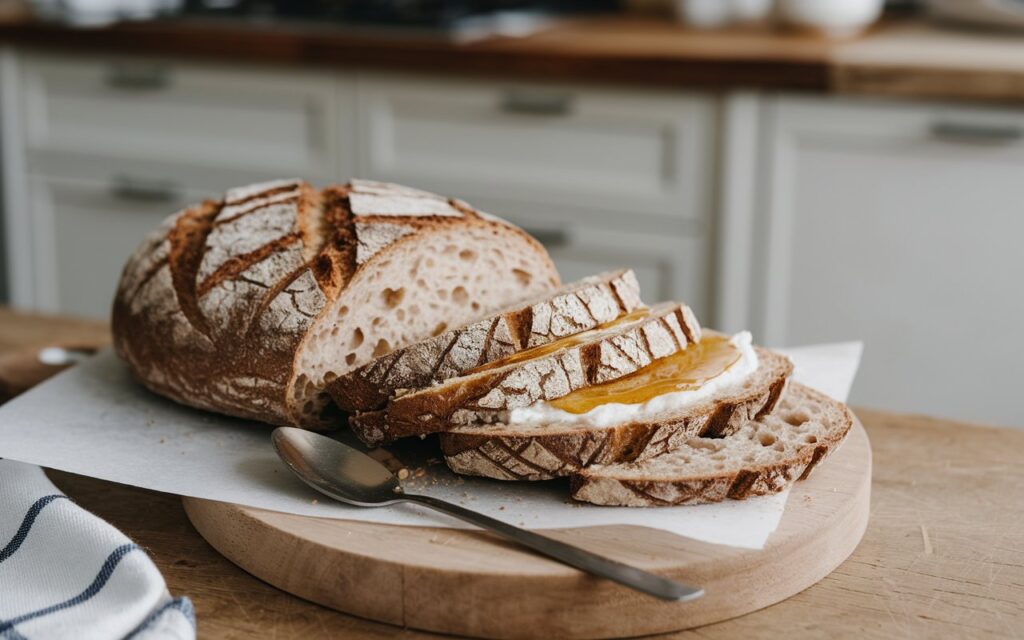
(543, 451)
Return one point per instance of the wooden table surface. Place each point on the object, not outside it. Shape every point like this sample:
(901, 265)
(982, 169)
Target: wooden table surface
(906, 57)
(943, 556)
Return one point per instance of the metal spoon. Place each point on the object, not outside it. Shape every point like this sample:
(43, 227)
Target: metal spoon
(350, 476)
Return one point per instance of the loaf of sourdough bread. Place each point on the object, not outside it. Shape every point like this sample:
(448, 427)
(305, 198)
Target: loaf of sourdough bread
(762, 456)
(546, 451)
(484, 395)
(576, 307)
(250, 305)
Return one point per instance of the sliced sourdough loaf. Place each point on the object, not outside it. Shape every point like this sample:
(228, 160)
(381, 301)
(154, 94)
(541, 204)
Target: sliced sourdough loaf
(545, 372)
(574, 308)
(763, 456)
(545, 451)
(251, 304)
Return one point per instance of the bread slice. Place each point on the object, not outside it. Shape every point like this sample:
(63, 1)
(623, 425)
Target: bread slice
(546, 372)
(251, 304)
(574, 308)
(542, 452)
(763, 456)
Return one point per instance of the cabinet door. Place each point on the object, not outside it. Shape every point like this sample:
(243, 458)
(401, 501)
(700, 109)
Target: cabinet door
(636, 156)
(901, 226)
(84, 233)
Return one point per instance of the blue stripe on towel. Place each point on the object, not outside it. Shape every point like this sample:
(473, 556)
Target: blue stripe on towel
(101, 579)
(26, 525)
(181, 605)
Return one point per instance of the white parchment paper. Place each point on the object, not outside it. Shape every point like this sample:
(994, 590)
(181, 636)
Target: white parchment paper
(95, 420)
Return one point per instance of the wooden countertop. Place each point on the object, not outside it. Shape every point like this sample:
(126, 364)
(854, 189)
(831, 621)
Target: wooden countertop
(897, 58)
(943, 555)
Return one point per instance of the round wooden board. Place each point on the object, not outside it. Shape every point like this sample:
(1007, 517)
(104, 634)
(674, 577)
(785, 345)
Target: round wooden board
(471, 583)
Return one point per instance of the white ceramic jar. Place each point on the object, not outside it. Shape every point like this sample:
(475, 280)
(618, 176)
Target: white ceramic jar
(835, 18)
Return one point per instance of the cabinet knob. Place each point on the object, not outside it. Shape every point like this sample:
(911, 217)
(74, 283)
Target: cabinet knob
(551, 238)
(139, 78)
(536, 103)
(142, 190)
(976, 133)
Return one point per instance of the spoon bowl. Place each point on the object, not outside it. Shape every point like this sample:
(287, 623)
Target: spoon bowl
(337, 470)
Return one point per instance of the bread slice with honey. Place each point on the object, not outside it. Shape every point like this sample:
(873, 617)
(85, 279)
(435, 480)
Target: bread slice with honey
(543, 373)
(576, 307)
(545, 451)
(763, 456)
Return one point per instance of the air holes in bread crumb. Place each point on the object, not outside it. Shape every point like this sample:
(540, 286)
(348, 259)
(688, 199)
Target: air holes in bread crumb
(400, 314)
(391, 298)
(382, 348)
(811, 438)
(460, 296)
(357, 339)
(467, 255)
(442, 293)
(796, 418)
(475, 306)
(342, 312)
(439, 329)
(350, 359)
(766, 439)
(524, 277)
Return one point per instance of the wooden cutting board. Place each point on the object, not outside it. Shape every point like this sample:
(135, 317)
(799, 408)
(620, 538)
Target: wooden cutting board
(472, 583)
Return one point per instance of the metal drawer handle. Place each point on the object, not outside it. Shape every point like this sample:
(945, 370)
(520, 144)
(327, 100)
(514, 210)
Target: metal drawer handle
(135, 78)
(551, 238)
(140, 190)
(976, 133)
(536, 103)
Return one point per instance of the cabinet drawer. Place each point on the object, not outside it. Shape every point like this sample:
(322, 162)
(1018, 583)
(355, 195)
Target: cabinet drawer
(83, 232)
(162, 111)
(636, 152)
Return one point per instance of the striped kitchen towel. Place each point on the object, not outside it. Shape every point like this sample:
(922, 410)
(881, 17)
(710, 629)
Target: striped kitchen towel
(64, 573)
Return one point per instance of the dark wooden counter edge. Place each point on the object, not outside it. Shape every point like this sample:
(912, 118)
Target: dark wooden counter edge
(495, 57)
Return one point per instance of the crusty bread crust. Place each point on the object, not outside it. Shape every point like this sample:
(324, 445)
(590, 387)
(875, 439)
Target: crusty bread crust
(763, 456)
(575, 308)
(215, 308)
(544, 452)
(484, 396)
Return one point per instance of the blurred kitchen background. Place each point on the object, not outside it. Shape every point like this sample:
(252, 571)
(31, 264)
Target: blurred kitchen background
(814, 170)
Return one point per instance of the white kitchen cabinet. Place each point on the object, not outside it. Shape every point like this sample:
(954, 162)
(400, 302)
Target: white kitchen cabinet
(621, 157)
(901, 225)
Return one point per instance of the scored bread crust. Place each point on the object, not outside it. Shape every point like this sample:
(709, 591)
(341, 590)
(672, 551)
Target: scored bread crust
(763, 456)
(543, 452)
(485, 396)
(249, 304)
(574, 308)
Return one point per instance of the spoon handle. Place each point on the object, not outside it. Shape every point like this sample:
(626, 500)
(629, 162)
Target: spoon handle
(581, 559)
